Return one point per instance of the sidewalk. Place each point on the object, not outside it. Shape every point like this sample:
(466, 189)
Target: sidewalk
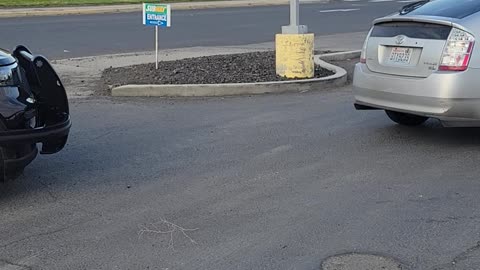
(81, 76)
(84, 10)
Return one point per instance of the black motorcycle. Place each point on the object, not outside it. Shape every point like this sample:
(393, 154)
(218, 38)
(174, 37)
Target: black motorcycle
(33, 109)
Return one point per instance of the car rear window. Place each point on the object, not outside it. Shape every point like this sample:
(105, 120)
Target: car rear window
(448, 8)
(412, 30)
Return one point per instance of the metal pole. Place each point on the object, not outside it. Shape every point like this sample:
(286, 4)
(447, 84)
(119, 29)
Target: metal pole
(156, 47)
(294, 13)
(294, 27)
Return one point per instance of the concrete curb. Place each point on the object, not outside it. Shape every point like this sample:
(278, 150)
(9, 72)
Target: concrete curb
(86, 10)
(341, 55)
(235, 89)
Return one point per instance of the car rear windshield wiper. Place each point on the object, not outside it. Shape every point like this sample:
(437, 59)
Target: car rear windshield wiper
(411, 7)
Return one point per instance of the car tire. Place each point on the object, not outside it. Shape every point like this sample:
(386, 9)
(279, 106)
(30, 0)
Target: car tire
(406, 119)
(4, 176)
(8, 174)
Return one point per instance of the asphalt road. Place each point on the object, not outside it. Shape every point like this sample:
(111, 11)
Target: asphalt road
(268, 182)
(72, 36)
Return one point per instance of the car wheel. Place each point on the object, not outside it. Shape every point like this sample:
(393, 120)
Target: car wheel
(8, 173)
(406, 119)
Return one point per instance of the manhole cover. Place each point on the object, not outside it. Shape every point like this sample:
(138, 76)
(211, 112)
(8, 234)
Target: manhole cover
(360, 262)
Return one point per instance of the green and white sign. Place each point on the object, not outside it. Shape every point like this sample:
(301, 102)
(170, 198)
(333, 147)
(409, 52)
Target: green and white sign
(157, 15)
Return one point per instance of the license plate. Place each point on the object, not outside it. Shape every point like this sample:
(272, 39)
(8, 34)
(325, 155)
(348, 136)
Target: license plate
(400, 55)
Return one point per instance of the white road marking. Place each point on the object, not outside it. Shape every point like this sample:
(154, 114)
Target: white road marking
(339, 10)
(380, 1)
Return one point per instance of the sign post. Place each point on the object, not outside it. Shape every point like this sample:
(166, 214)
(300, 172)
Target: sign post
(158, 15)
(294, 27)
(156, 46)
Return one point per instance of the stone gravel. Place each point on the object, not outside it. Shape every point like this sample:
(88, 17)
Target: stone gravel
(233, 68)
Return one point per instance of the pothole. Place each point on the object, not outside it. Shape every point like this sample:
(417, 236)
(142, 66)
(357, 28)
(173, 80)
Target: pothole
(355, 261)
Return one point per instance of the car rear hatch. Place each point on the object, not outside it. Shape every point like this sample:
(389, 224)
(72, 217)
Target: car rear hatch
(406, 47)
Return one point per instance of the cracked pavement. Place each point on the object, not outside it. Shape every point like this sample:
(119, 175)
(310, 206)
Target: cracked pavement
(271, 182)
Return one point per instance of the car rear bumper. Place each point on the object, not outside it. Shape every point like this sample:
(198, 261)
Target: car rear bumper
(453, 98)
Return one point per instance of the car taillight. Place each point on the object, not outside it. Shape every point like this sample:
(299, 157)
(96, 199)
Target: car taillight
(363, 55)
(457, 53)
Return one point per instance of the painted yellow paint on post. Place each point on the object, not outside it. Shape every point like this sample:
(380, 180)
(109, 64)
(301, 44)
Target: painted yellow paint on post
(294, 55)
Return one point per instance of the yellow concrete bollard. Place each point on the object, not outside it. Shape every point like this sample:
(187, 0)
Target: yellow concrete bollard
(294, 55)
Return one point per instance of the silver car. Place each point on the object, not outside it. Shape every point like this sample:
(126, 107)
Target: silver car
(422, 63)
